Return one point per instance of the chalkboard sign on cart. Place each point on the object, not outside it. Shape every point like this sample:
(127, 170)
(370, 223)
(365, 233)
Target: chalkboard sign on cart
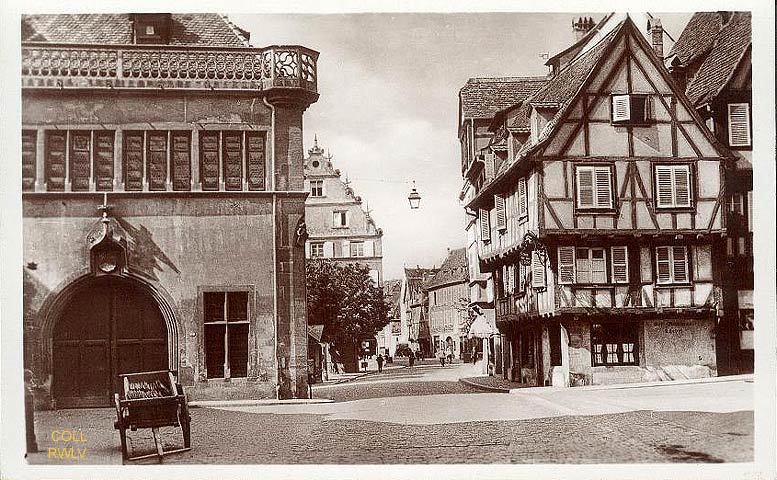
(151, 400)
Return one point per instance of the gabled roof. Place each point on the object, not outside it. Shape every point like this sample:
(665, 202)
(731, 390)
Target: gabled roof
(583, 40)
(200, 29)
(697, 37)
(484, 97)
(727, 50)
(453, 270)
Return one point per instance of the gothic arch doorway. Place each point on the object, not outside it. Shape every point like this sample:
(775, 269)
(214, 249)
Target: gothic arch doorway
(109, 325)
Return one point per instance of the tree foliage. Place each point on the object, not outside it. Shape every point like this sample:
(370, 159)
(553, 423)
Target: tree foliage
(345, 300)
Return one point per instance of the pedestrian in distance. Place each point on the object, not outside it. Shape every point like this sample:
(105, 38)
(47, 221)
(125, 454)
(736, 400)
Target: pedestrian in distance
(411, 358)
(380, 363)
(474, 355)
(441, 357)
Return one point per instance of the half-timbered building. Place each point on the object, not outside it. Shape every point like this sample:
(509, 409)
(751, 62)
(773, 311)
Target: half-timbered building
(163, 205)
(603, 225)
(712, 61)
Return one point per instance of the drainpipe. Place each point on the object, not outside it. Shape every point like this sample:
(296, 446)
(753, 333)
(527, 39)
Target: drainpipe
(271, 164)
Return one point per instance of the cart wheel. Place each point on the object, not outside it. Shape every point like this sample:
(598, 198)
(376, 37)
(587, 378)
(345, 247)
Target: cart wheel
(121, 427)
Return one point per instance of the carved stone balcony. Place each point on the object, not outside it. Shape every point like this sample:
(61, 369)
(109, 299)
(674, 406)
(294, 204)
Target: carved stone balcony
(277, 67)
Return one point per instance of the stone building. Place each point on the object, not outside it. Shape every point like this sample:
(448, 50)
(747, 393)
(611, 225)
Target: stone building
(414, 326)
(448, 298)
(602, 223)
(163, 205)
(712, 61)
(339, 228)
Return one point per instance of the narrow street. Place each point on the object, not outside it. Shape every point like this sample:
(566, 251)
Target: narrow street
(424, 415)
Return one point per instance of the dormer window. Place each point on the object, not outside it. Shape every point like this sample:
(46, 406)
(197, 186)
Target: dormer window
(152, 28)
(630, 109)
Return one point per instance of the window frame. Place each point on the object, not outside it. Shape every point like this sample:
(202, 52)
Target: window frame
(343, 221)
(691, 187)
(616, 332)
(645, 120)
(351, 249)
(319, 186)
(749, 116)
(522, 200)
(607, 260)
(577, 190)
(313, 246)
(226, 290)
(672, 281)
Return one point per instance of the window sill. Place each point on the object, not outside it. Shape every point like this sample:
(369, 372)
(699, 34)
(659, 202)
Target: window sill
(672, 285)
(675, 209)
(596, 211)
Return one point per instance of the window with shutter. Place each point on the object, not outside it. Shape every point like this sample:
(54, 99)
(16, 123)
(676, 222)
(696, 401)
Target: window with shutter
(29, 147)
(209, 160)
(582, 265)
(490, 165)
(55, 160)
(621, 108)
(672, 265)
(673, 186)
(181, 161)
(739, 125)
(232, 155)
(537, 271)
(156, 157)
(632, 108)
(523, 210)
(133, 160)
(598, 266)
(255, 155)
(485, 225)
(80, 153)
(501, 212)
(566, 264)
(620, 264)
(594, 187)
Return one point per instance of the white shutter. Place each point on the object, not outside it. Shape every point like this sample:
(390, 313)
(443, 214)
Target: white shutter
(585, 187)
(739, 124)
(566, 264)
(307, 249)
(663, 265)
(680, 264)
(328, 250)
(346, 248)
(664, 196)
(522, 209)
(621, 108)
(485, 226)
(603, 187)
(620, 264)
(537, 271)
(583, 265)
(489, 159)
(682, 186)
(369, 248)
(598, 266)
(750, 211)
(500, 212)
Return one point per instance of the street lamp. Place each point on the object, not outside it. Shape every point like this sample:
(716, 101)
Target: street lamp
(414, 198)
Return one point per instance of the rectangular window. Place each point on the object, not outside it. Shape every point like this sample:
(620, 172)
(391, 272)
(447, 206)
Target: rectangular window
(500, 213)
(671, 265)
(29, 158)
(615, 344)
(103, 160)
(156, 160)
(537, 271)
(628, 109)
(673, 186)
(522, 200)
(226, 322)
(317, 250)
(209, 160)
(182, 160)
(255, 156)
(739, 134)
(340, 219)
(133, 161)
(490, 165)
(357, 249)
(586, 265)
(56, 142)
(80, 153)
(316, 188)
(619, 257)
(594, 187)
(485, 225)
(232, 159)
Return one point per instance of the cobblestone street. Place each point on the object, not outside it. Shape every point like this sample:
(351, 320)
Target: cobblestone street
(423, 415)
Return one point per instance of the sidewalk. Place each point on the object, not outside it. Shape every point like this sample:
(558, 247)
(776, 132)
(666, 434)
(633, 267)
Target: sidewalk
(348, 377)
(500, 385)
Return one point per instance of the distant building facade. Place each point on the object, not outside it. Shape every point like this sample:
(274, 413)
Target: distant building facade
(163, 206)
(448, 298)
(414, 330)
(388, 337)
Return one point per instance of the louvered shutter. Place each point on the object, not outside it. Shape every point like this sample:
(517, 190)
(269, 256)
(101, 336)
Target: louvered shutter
(680, 265)
(664, 196)
(490, 160)
(682, 186)
(621, 108)
(566, 264)
(485, 226)
(603, 187)
(346, 248)
(29, 146)
(328, 250)
(500, 212)
(620, 264)
(369, 248)
(739, 124)
(663, 265)
(585, 187)
(537, 271)
(598, 266)
(522, 209)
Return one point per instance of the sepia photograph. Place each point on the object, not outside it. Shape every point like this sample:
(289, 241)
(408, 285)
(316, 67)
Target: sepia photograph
(389, 238)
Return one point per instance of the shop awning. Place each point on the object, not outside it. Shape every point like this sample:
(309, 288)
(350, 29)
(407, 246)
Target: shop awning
(483, 326)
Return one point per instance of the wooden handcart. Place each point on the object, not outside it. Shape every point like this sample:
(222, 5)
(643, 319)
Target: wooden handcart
(151, 400)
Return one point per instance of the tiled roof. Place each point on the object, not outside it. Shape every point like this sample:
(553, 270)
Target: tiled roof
(730, 45)
(484, 97)
(200, 29)
(697, 37)
(452, 270)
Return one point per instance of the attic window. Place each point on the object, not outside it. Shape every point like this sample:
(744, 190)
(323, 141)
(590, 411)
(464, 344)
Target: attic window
(629, 109)
(152, 28)
(149, 30)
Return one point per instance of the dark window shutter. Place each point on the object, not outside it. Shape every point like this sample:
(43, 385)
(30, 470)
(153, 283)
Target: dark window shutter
(233, 160)
(133, 161)
(80, 151)
(182, 161)
(103, 160)
(256, 160)
(485, 225)
(157, 160)
(29, 151)
(209, 160)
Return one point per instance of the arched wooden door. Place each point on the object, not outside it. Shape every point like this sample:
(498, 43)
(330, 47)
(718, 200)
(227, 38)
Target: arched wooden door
(110, 326)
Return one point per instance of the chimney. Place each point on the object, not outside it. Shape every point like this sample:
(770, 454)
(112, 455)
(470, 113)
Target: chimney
(582, 26)
(656, 32)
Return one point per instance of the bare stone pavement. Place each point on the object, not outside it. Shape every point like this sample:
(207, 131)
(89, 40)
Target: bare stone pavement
(424, 415)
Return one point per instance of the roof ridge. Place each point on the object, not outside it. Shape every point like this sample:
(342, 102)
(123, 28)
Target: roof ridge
(528, 78)
(239, 32)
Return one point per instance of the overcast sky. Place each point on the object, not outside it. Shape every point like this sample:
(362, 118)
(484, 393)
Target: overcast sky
(388, 109)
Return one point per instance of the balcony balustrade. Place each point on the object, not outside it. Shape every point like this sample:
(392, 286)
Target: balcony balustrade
(46, 65)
